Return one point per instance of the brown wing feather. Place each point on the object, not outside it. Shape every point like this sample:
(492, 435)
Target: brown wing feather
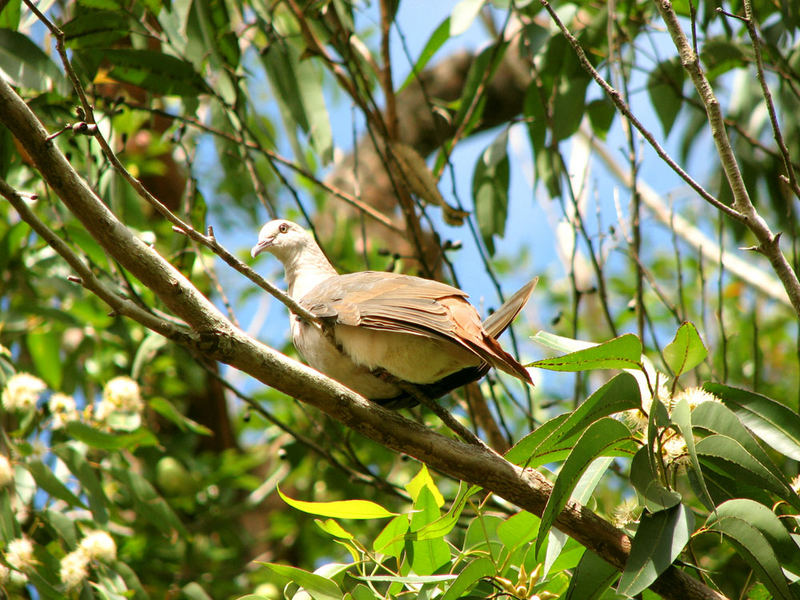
(402, 303)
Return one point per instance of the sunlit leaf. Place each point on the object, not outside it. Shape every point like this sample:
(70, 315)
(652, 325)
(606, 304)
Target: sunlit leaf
(623, 352)
(340, 509)
(317, 586)
(685, 351)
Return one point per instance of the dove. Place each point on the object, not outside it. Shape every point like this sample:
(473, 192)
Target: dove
(417, 331)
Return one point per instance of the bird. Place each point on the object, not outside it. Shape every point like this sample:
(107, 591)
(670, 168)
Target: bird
(384, 330)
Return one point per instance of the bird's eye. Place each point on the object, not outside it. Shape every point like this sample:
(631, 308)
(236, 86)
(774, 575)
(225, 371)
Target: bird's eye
(283, 228)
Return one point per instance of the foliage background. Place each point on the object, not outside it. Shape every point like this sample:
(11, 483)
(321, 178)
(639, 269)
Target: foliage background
(233, 112)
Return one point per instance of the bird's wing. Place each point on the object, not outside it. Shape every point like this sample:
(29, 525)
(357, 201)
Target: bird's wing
(412, 305)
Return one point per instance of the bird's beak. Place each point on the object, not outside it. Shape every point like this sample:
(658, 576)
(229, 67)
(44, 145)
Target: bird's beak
(261, 246)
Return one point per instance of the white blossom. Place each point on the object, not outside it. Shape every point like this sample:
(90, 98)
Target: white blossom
(675, 450)
(22, 392)
(695, 397)
(62, 409)
(74, 568)
(19, 554)
(98, 545)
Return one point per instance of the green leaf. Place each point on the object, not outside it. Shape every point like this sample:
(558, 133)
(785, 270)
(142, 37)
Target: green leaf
(591, 578)
(445, 524)
(46, 480)
(428, 555)
(154, 71)
(762, 540)
(659, 540)
(110, 441)
(490, 182)
(682, 417)
(9, 16)
(82, 470)
(618, 394)
(440, 35)
(391, 539)
(421, 480)
(463, 15)
(407, 579)
(63, 525)
(98, 29)
(685, 351)
(27, 66)
(728, 456)
(665, 88)
(149, 504)
(598, 438)
(568, 108)
(518, 529)
(771, 421)
(601, 115)
(623, 352)
(471, 574)
(167, 410)
(333, 528)
(340, 509)
(716, 417)
(646, 482)
(44, 347)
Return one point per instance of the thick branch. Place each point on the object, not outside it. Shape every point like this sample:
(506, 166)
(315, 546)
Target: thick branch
(220, 340)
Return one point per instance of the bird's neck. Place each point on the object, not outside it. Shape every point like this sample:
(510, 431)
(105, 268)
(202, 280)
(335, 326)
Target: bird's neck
(305, 270)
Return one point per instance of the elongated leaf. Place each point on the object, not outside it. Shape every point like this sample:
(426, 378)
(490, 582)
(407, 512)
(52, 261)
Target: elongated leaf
(110, 441)
(440, 35)
(333, 528)
(716, 417)
(773, 422)
(155, 71)
(62, 525)
(463, 15)
(518, 529)
(149, 504)
(591, 578)
(46, 480)
(665, 88)
(760, 538)
(98, 28)
(44, 347)
(598, 438)
(623, 352)
(728, 456)
(659, 540)
(340, 509)
(523, 450)
(318, 587)
(80, 468)
(407, 579)
(644, 479)
(682, 417)
(421, 480)
(685, 351)
(390, 540)
(490, 182)
(472, 574)
(26, 64)
(444, 524)
(167, 410)
(428, 555)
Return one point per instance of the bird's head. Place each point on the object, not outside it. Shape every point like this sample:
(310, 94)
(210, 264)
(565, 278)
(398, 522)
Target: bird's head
(283, 239)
